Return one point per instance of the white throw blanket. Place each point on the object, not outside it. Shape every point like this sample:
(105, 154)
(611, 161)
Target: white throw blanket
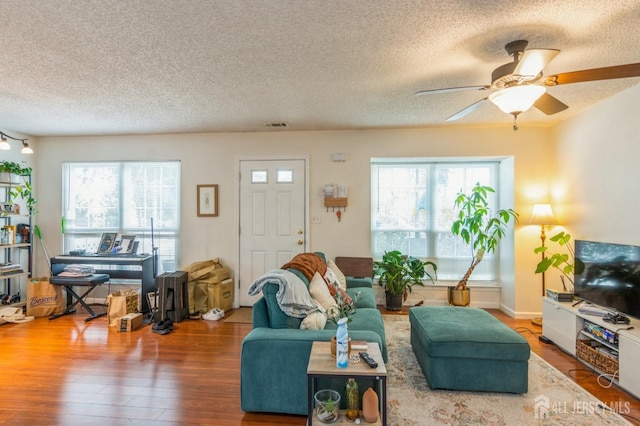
(293, 296)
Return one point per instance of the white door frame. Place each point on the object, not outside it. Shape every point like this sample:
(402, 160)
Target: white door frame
(307, 220)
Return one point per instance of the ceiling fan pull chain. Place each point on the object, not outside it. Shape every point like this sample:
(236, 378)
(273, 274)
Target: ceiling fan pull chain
(515, 122)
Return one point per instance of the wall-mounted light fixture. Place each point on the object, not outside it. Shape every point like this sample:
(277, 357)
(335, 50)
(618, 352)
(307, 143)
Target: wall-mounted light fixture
(26, 149)
(4, 143)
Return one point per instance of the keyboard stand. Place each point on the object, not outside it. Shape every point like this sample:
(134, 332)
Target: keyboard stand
(91, 281)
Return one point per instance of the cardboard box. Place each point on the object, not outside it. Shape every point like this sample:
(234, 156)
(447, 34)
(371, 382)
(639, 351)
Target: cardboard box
(130, 322)
(221, 295)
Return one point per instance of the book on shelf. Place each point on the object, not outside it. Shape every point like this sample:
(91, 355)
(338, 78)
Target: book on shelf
(11, 272)
(9, 267)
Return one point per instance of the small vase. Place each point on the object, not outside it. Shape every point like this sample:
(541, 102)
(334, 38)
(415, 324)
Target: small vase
(370, 406)
(327, 405)
(353, 400)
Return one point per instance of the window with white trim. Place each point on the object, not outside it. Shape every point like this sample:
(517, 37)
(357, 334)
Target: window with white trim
(412, 209)
(129, 198)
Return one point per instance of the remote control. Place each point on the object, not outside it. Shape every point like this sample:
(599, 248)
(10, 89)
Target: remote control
(367, 358)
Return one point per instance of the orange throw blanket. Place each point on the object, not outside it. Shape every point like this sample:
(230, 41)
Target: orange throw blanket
(308, 264)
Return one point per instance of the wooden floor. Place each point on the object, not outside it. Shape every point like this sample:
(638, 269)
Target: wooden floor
(67, 372)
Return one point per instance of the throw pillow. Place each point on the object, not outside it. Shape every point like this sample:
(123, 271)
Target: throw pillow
(342, 280)
(314, 321)
(320, 293)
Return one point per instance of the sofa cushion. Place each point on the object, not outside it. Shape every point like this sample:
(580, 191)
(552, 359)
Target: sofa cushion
(277, 318)
(342, 280)
(367, 298)
(359, 282)
(314, 321)
(321, 294)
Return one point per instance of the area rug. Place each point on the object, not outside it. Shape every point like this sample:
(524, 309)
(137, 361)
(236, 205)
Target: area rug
(553, 399)
(242, 315)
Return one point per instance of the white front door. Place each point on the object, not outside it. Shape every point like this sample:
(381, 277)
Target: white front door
(272, 218)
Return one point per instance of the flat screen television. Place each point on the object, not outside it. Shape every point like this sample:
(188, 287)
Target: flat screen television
(611, 276)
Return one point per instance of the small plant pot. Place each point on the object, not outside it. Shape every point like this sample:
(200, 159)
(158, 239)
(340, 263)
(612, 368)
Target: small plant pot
(327, 403)
(459, 297)
(334, 346)
(393, 302)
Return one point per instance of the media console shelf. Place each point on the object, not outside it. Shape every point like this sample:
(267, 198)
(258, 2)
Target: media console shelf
(565, 325)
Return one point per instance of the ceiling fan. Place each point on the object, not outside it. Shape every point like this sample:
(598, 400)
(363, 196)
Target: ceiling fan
(520, 84)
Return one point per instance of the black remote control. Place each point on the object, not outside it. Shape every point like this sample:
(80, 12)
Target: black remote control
(367, 358)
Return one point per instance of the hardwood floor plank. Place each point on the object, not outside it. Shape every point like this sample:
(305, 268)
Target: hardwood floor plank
(68, 372)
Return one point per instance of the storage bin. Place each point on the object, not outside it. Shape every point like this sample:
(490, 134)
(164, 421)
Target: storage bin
(597, 358)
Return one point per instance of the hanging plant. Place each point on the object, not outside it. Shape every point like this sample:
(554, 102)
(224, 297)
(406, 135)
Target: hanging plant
(23, 191)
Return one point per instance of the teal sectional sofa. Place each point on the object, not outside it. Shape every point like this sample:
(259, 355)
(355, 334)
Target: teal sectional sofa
(275, 354)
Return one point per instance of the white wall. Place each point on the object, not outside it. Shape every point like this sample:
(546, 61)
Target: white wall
(212, 158)
(599, 171)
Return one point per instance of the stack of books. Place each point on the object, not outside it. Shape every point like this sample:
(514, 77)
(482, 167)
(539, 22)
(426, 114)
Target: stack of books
(10, 268)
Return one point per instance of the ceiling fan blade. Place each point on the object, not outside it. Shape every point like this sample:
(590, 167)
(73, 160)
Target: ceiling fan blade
(549, 104)
(468, 110)
(533, 62)
(451, 89)
(594, 74)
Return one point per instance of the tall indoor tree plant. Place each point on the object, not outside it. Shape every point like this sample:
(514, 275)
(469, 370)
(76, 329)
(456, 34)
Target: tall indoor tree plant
(479, 227)
(398, 273)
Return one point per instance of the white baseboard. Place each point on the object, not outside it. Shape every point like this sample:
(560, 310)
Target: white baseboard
(481, 297)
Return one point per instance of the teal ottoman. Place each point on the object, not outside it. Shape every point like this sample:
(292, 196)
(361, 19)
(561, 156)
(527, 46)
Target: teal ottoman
(468, 349)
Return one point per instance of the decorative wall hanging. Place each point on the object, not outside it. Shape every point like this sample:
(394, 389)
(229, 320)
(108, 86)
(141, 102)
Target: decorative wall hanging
(207, 200)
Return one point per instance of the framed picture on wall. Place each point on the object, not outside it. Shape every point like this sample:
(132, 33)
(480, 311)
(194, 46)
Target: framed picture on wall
(207, 200)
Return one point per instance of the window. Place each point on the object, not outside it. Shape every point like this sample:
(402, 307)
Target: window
(128, 198)
(413, 209)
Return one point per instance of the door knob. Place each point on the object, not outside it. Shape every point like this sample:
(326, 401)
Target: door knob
(300, 242)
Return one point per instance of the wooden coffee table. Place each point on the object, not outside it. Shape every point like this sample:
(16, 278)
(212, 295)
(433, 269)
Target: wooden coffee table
(322, 364)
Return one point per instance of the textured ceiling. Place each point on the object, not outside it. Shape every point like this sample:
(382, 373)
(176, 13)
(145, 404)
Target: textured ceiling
(82, 67)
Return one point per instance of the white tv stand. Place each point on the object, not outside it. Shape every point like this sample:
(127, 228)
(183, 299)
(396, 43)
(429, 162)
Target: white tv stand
(562, 324)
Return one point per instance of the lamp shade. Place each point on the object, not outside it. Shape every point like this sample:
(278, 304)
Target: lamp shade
(515, 100)
(26, 149)
(542, 215)
(4, 145)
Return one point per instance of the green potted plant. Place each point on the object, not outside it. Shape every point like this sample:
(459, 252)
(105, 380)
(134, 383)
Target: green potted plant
(345, 306)
(398, 273)
(479, 227)
(566, 263)
(24, 190)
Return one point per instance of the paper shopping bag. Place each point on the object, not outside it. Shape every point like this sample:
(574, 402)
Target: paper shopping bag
(43, 298)
(121, 303)
(198, 297)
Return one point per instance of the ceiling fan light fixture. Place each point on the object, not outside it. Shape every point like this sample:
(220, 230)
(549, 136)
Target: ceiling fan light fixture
(515, 100)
